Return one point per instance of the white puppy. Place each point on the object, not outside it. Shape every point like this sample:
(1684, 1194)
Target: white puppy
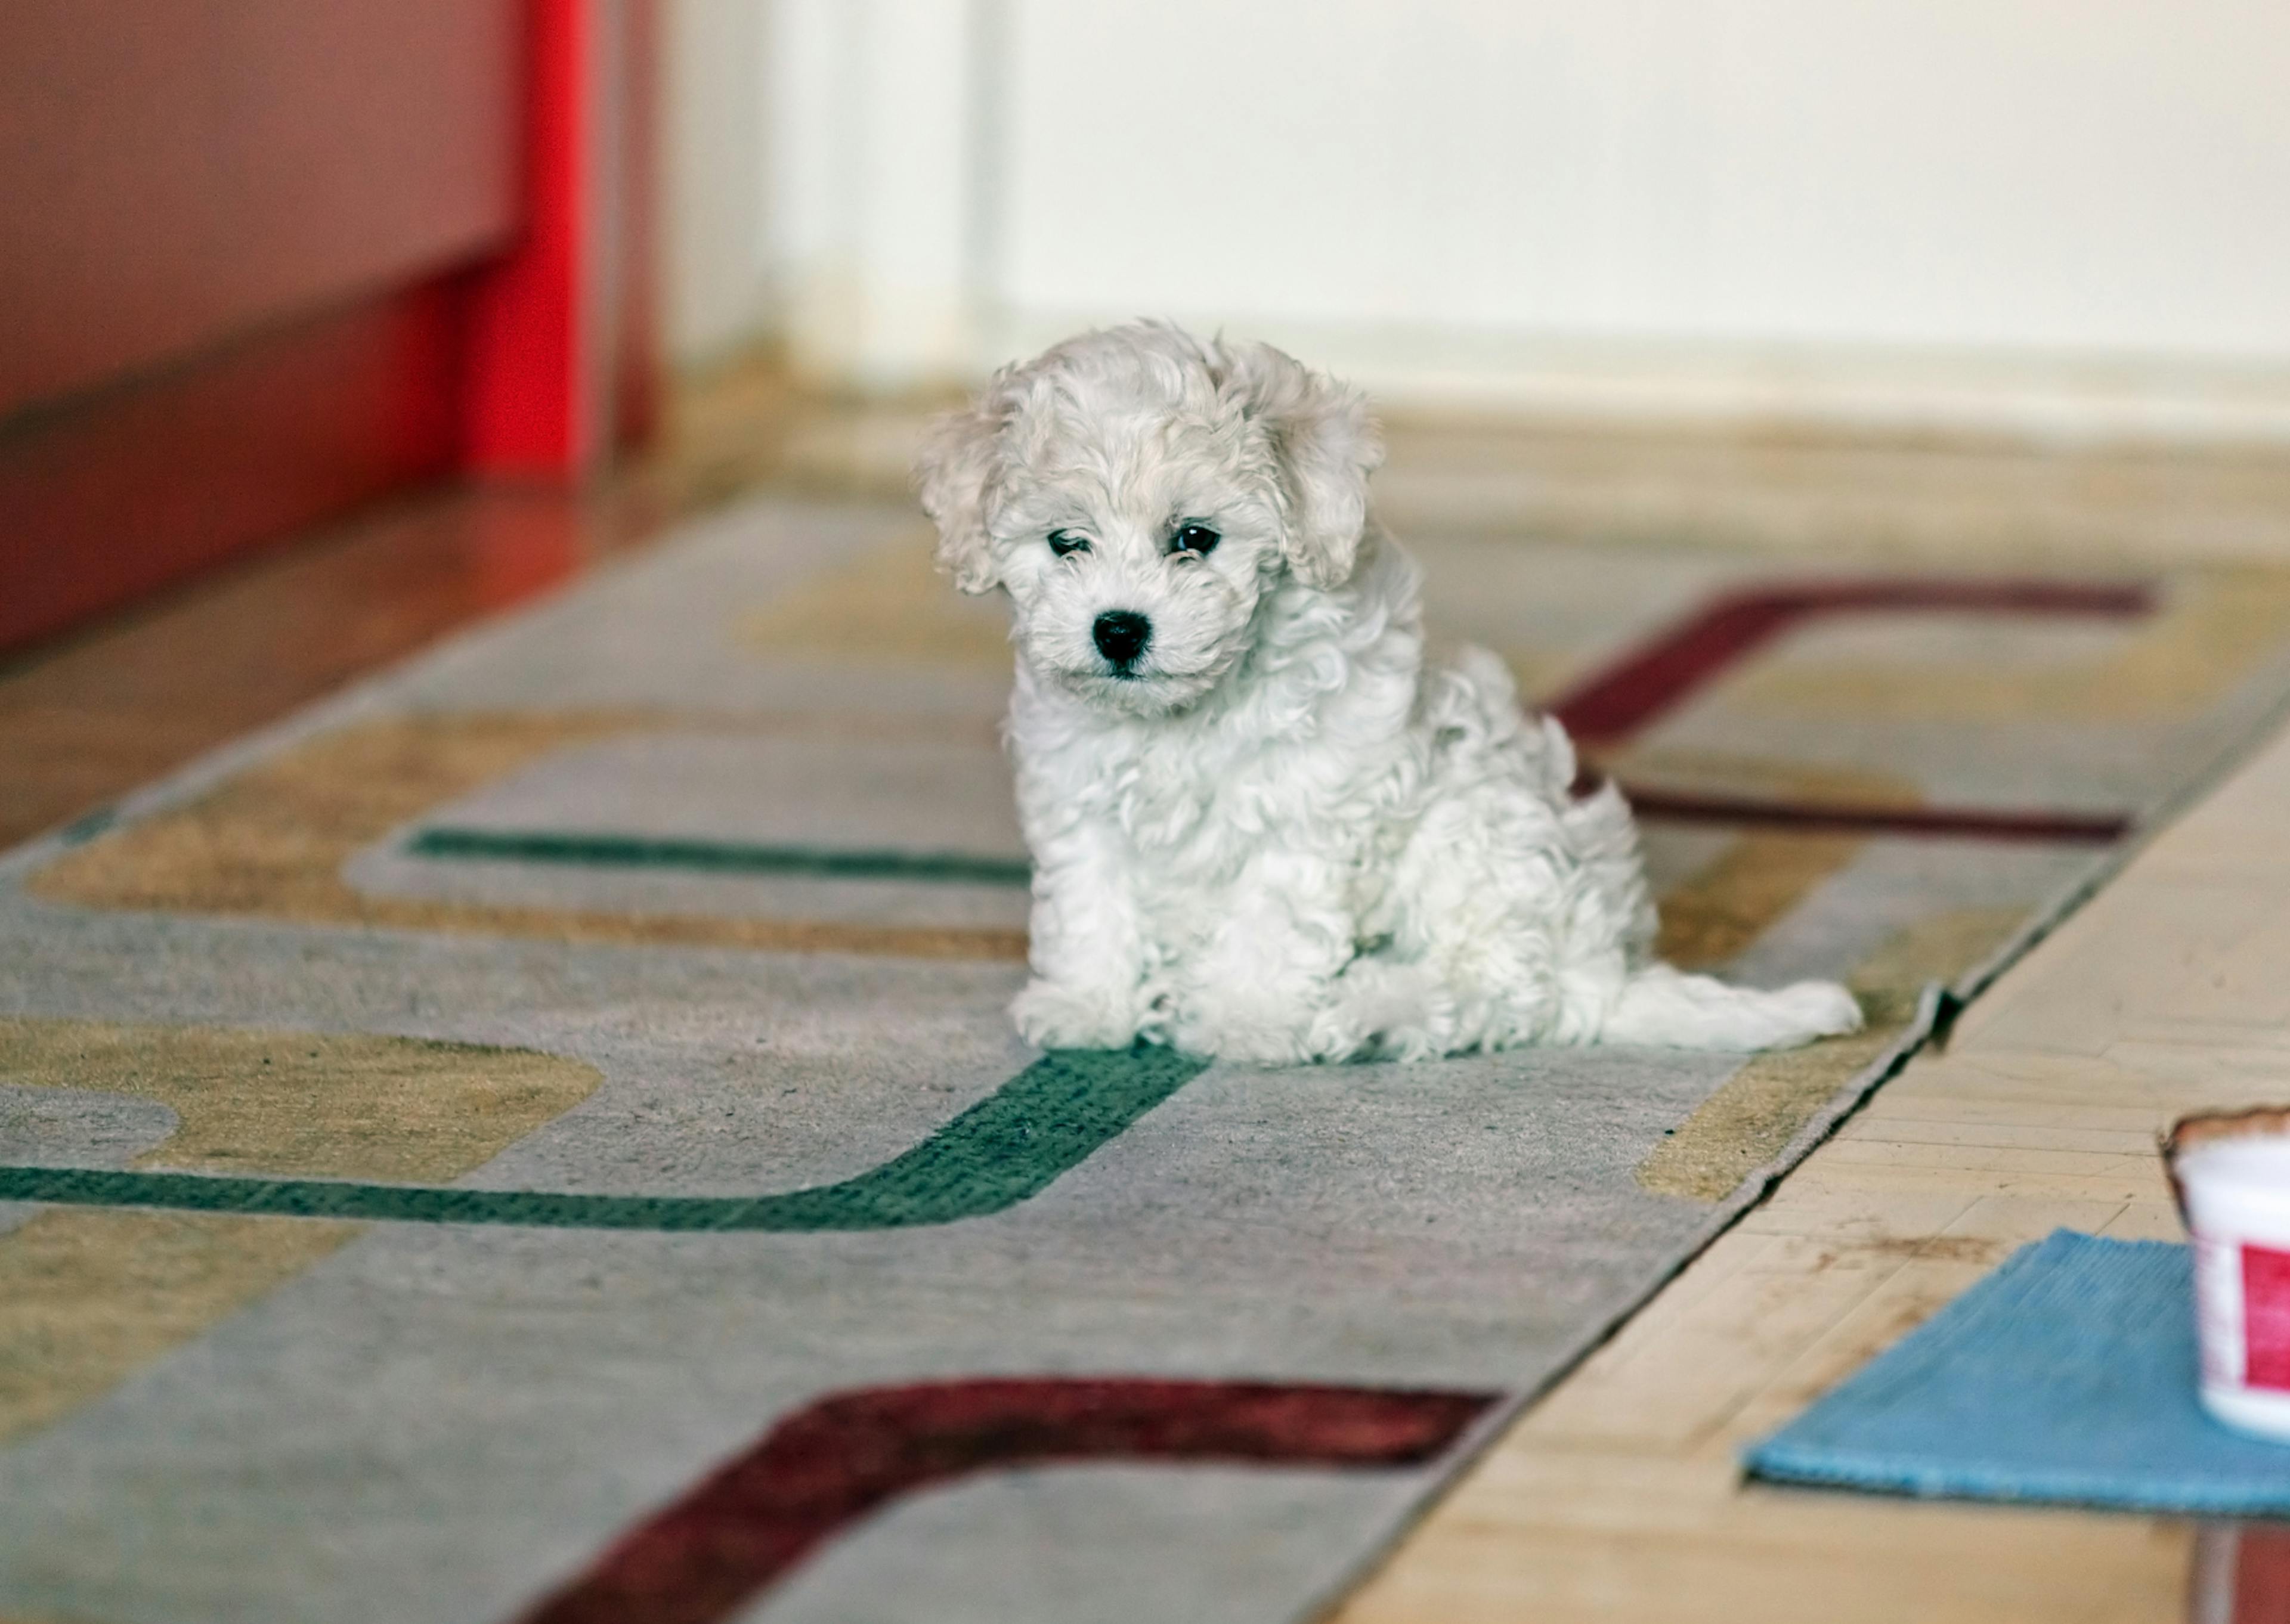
(1262, 827)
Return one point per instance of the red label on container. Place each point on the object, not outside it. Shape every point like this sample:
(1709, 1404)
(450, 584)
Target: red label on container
(2266, 1318)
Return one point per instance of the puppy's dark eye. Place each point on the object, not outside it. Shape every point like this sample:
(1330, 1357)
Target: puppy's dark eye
(1194, 539)
(1064, 542)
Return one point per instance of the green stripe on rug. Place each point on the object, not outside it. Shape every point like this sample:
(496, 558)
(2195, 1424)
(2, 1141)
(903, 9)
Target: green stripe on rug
(1010, 1145)
(715, 856)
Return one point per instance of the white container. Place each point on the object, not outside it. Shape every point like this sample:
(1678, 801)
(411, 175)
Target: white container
(2234, 1188)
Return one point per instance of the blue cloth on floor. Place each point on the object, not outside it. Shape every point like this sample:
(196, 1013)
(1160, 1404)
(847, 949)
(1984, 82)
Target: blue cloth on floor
(2069, 1374)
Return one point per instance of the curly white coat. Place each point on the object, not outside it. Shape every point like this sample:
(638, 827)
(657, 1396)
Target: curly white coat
(1277, 834)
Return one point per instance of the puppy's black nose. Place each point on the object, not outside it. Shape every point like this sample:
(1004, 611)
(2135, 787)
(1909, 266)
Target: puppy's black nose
(1122, 634)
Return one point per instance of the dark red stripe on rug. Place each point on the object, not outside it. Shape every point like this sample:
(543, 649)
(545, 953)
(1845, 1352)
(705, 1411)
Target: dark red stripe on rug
(2095, 829)
(836, 1461)
(1663, 671)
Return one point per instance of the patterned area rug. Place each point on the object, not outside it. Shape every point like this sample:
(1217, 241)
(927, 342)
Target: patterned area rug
(539, 1139)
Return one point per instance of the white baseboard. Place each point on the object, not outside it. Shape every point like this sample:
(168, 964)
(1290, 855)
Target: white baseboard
(2069, 400)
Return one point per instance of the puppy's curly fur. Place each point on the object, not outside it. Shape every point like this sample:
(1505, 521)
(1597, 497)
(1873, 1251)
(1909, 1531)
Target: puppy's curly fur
(1262, 827)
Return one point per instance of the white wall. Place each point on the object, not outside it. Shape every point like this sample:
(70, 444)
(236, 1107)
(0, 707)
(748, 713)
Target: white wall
(2058, 213)
(2062, 174)
(715, 146)
(878, 175)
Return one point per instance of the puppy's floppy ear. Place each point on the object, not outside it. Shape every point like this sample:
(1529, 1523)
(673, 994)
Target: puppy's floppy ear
(955, 473)
(1327, 445)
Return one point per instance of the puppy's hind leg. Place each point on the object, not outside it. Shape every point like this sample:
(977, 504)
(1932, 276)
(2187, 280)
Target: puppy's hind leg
(1667, 1008)
(1396, 1011)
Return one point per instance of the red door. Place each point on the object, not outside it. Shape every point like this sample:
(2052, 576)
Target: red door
(263, 260)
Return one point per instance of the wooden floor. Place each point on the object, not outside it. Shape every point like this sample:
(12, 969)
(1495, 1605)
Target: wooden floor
(86, 717)
(1773, 488)
(1615, 1499)
(89, 716)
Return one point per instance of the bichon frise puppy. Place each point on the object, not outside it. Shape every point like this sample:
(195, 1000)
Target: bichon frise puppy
(1262, 827)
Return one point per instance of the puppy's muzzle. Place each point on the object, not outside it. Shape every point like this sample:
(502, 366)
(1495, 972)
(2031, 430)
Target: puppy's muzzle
(1121, 635)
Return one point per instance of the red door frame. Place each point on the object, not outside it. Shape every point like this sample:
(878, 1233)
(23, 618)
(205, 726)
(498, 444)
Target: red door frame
(563, 345)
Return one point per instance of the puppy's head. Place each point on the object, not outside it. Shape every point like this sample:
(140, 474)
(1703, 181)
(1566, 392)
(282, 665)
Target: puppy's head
(1137, 492)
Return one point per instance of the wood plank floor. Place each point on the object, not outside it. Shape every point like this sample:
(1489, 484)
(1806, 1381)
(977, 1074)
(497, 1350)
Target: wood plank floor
(1616, 1498)
(88, 716)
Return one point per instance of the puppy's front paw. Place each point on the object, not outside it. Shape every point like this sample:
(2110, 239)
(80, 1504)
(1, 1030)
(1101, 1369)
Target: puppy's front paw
(1052, 1015)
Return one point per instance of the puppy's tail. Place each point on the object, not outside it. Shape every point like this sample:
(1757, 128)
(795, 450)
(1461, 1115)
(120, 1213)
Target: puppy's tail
(1666, 1008)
